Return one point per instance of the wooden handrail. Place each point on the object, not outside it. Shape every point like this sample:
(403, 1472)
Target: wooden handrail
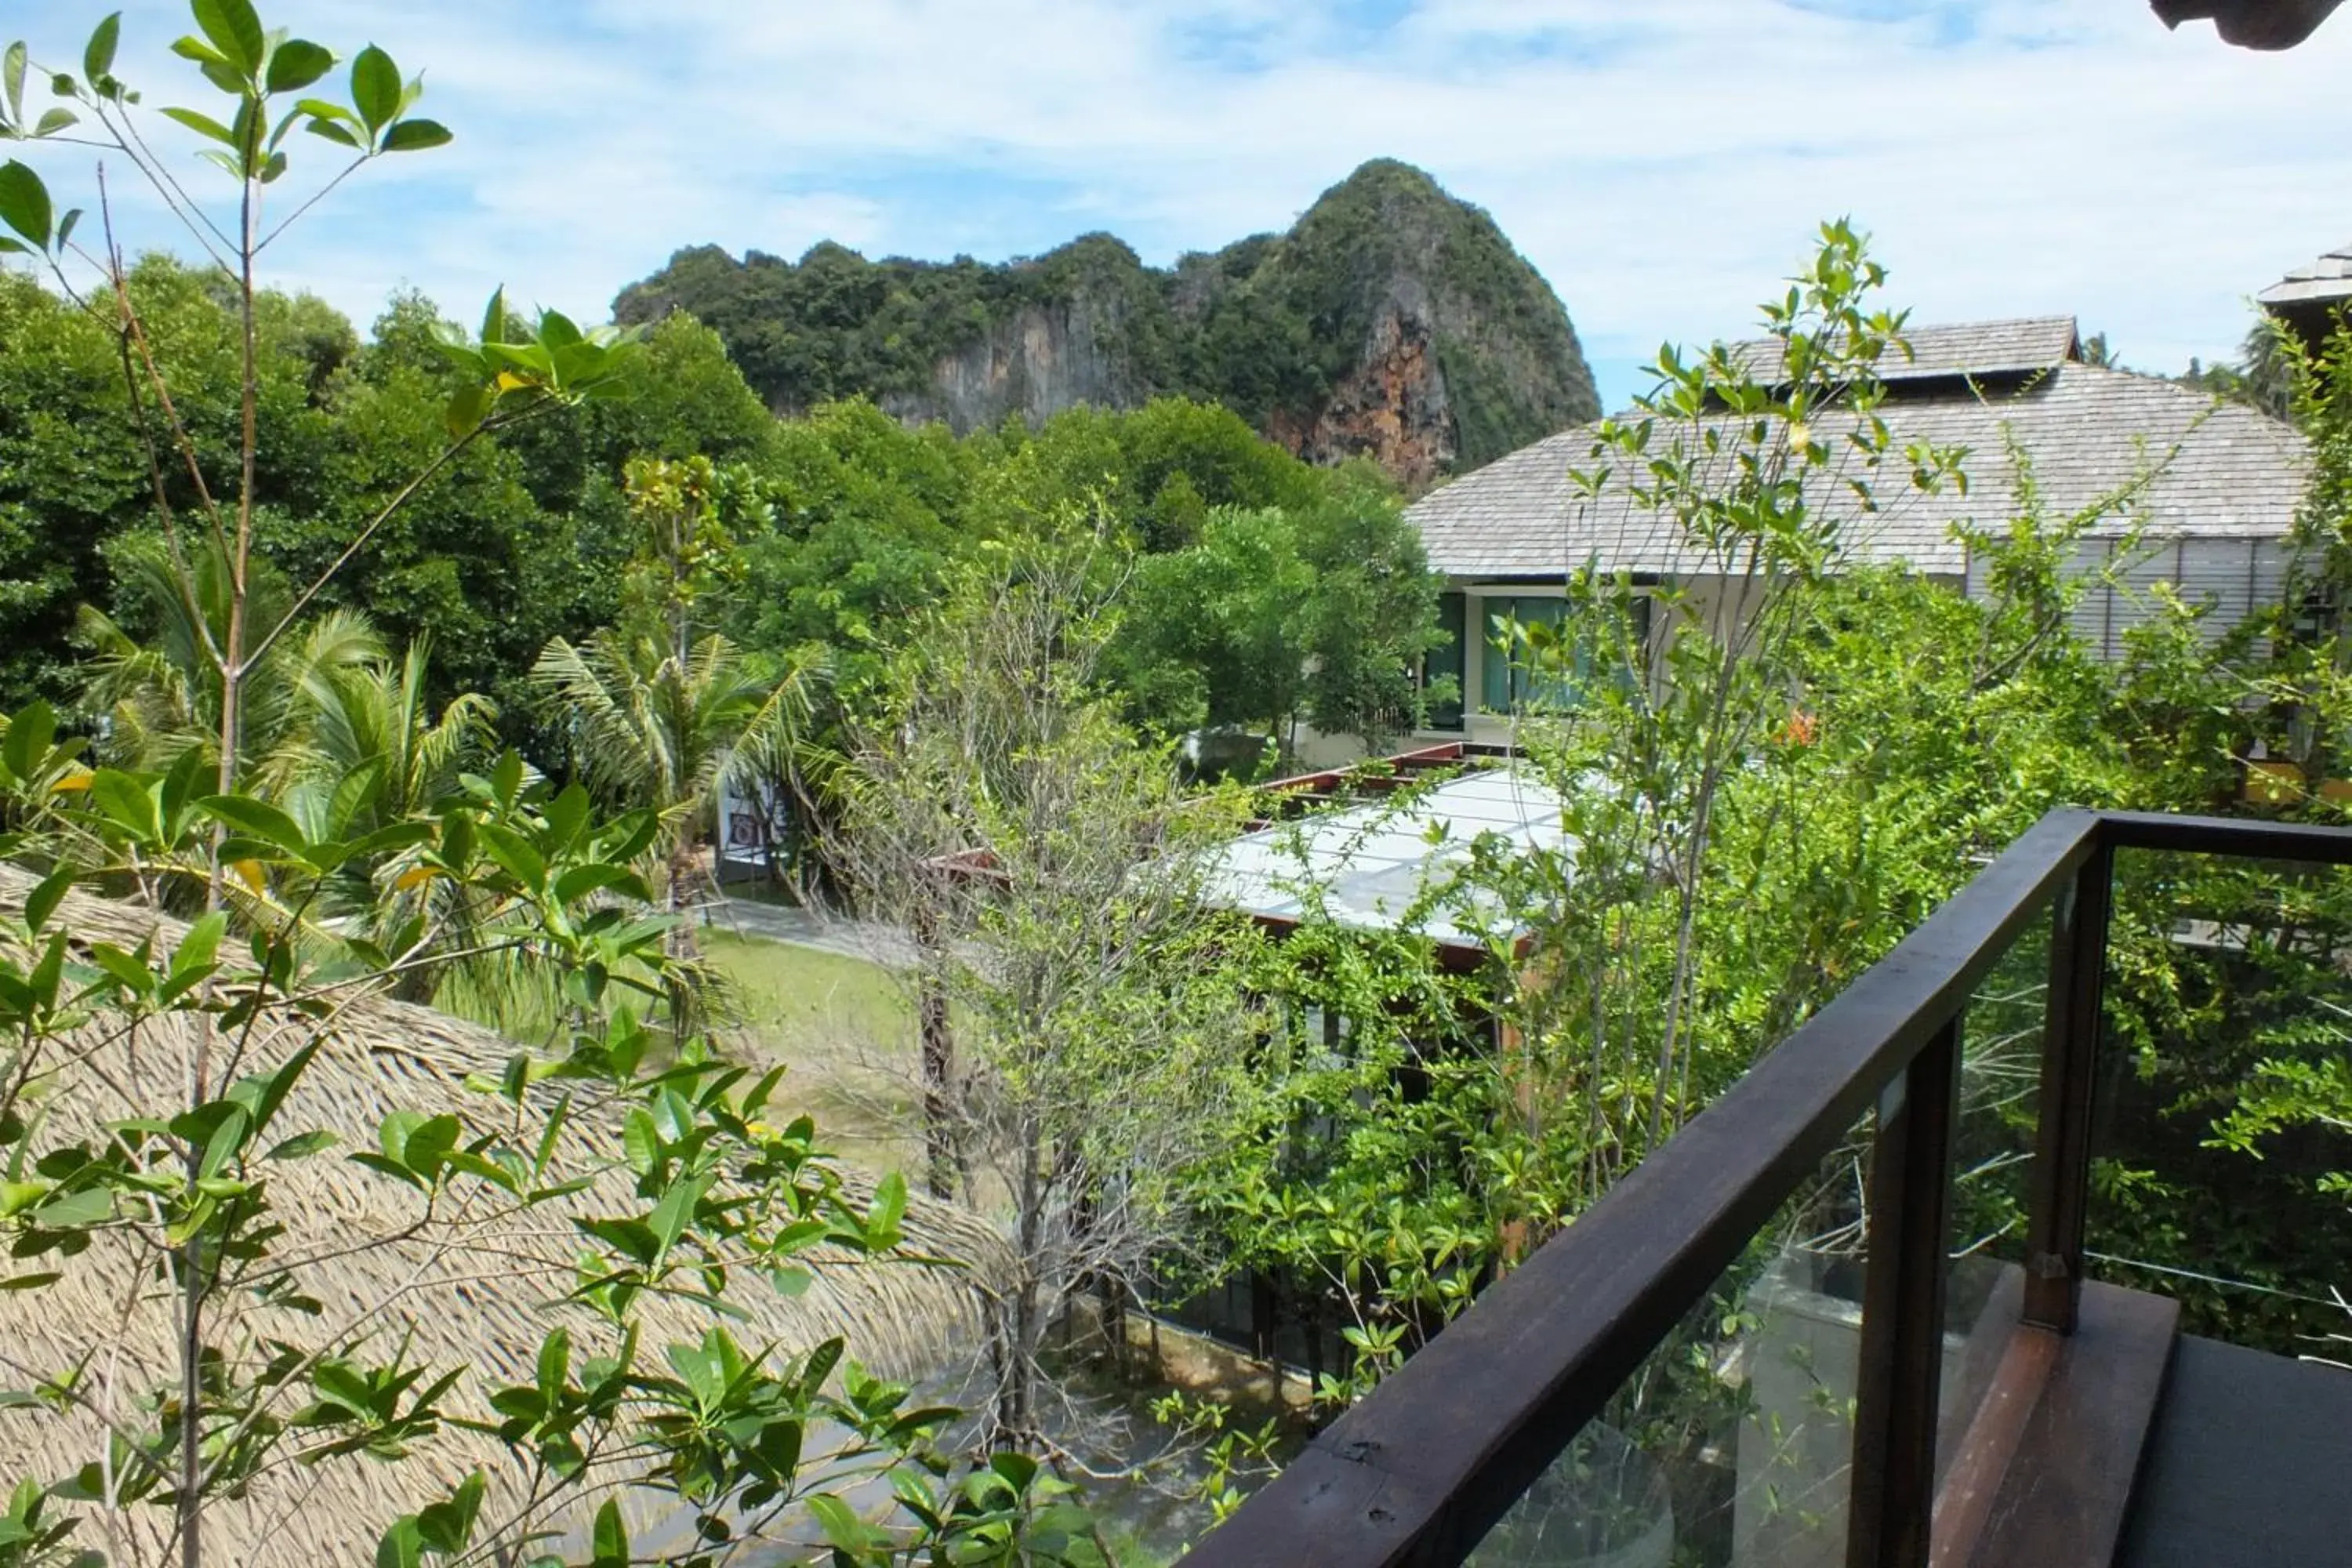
(1423, 1468)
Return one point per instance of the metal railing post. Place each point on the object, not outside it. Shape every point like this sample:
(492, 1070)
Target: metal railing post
(1900, 1371)
(2070, 1052)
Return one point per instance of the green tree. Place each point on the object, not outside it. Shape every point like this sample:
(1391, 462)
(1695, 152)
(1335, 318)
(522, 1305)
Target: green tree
(156, 687)
(1275, 618)
(1079, 1001)
(865, 517)
(660, 713)
(191, 1089)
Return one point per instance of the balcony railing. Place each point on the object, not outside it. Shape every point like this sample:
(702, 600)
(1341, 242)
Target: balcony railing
(1599, 1318)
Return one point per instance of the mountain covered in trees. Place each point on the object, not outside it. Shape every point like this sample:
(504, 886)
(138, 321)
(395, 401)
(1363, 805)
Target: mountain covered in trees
(1393, 322)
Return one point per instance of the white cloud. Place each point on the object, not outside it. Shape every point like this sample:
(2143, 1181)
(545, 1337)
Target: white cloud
(1662, 167)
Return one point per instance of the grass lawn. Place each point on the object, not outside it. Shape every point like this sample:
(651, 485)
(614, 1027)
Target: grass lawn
(843, 1029)
(839, 1025)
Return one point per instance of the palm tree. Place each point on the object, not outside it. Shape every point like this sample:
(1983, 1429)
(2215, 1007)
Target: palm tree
(373, 718)
(339, 733)
(662, 724)
(156, 697)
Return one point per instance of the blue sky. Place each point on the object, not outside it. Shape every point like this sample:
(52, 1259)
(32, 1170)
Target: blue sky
(1663, 164)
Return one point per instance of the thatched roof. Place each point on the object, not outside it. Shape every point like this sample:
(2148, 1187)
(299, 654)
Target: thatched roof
(2237, 473)
(475, 1295)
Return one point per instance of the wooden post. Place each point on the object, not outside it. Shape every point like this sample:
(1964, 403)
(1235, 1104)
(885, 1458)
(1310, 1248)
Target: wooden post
(2070, 1052)
(1900, 1369)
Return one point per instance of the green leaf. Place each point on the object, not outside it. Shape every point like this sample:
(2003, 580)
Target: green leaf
(302, 1145)
(259, 819)
(196, 49)
(184, 786)
(296, 64)
(554, 1369)
(889, 1208)
(581, 880)
(48, 973)
(42, 901)
(375, 87)
(28, 740)
(12, 81)
(203, 125)
(332, 127)
(55, 121)
(639, 1140)
(25, 203)
(416, 136)
(448, 1526)
(469, 406)
(387, 1167)
(128, 802)
(402, 1546)
(273, 1091)
(227, 1141)
(506, 776)
(1018, 1468)
(676, 1210)
(89, 1206)
(98, 56)
(200, 946)
(847, 1532)
(514, 854)
(426, 1148)
(610, 1539)
(494, 318)
(234, 30)
(133, 975)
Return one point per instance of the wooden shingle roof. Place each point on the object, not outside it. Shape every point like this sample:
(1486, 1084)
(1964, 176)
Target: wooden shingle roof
(2329, 277)
(1986, 350)
(2220, 470)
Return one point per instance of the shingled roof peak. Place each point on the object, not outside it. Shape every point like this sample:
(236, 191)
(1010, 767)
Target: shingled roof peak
(2328, 269)
(2011, 346)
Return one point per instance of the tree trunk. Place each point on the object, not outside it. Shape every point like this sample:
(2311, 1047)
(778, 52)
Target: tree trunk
(937, 1036)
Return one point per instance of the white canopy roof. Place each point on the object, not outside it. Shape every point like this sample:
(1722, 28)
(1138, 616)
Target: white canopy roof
(1365, 866)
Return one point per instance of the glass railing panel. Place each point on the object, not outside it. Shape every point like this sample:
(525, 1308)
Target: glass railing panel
(1731, 1444)
(2222, 1161)
(1993, 1143)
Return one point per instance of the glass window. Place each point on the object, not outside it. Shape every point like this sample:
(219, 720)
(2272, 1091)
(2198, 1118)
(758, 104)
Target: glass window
(1446, 662)
(1508, 683)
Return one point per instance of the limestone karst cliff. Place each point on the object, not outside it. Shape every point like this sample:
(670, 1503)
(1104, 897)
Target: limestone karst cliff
(1391, 321)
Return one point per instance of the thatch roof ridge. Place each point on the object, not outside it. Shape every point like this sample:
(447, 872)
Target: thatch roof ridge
(478, 1296)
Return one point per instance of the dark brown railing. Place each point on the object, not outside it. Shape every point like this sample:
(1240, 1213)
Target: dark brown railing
(1422, 1469)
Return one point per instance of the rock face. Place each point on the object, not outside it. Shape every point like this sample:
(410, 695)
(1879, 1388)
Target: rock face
(1391, 407)
(1391, 322)
(1045, 359)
